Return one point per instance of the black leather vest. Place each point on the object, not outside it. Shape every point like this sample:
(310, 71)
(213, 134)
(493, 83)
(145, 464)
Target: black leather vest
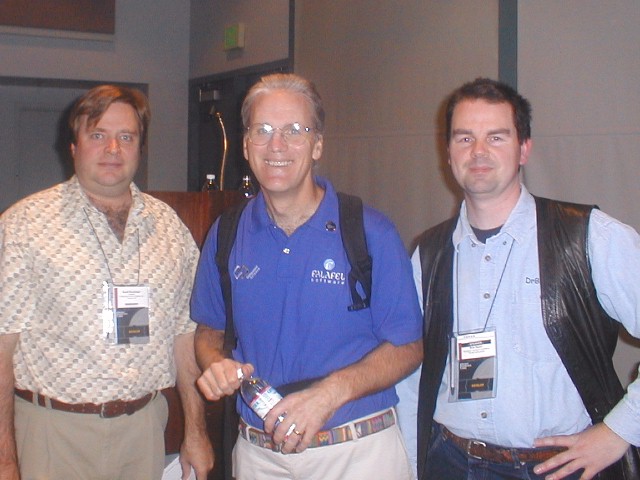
(580, 330)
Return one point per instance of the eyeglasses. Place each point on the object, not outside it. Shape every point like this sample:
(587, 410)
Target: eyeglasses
(293, 134)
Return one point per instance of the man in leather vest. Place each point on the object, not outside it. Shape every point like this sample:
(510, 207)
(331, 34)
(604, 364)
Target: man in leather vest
(523, 298)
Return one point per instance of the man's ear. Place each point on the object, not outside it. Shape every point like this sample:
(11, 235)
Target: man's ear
(525, 151)
(317, 148)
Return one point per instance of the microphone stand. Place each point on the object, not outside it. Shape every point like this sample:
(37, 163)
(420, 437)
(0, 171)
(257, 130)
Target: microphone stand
(225, 144)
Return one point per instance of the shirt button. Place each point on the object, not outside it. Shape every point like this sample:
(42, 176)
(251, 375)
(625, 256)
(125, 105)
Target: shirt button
(484, 415)
(286, 250)
(487, 296)
(487, 258)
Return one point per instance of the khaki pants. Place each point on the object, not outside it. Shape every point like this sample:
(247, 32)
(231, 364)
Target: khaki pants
(55, 445)
(378, 456)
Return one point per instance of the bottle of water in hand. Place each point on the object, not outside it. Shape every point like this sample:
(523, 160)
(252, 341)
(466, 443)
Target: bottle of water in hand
(258, 394)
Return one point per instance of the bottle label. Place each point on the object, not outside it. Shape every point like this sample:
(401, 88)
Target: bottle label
(264, 401)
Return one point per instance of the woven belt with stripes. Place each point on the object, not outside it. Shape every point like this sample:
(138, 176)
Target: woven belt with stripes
(336, 435)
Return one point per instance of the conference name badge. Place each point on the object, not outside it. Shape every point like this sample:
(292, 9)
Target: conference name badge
(125, 314)
(473, 365)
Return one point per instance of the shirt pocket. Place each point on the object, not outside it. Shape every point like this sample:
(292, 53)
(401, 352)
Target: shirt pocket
(528, 337)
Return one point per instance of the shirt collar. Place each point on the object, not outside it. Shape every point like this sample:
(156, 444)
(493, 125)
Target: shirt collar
(326, 213)
(328, 209)
(518, 225)
(77, 199)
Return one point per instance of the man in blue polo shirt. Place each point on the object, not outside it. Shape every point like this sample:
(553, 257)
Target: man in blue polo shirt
(290, 303)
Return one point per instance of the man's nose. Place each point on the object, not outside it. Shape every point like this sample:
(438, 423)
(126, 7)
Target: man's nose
(479, 148)
(113, 146)
(278, 142)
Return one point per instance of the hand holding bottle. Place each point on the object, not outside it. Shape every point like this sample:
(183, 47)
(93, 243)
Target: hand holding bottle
(309, 409)
(262, 397)
(220, 379)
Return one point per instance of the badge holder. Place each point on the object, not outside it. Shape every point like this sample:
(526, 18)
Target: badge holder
(125, 314)
(473, 365)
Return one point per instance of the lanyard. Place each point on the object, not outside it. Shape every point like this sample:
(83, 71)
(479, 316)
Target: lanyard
(104, 255)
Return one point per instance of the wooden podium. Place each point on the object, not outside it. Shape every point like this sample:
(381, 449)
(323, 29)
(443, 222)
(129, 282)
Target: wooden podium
(197, 210)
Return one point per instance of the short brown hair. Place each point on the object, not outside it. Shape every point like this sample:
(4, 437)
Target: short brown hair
(492, 91)
(96, 101)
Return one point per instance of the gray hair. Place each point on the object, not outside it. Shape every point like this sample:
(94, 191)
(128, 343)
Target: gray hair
(292, 83)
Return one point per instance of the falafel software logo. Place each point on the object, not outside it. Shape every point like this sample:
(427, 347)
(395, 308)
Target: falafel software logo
(327, 275)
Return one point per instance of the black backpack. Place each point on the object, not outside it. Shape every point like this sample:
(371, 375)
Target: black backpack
(355, 245)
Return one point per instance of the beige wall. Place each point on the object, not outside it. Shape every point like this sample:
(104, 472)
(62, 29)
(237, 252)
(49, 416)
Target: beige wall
(383, 71)
(150, 45)
(586, 120)
(266, 34)
(586, 99)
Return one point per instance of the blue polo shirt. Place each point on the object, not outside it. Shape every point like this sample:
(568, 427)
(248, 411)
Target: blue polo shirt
(290, 299)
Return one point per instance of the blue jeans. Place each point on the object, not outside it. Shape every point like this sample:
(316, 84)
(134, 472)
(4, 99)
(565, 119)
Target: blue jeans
(446, 461)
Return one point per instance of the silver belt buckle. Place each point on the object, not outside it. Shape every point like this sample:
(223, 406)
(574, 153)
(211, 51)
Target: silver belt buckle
(471, 444)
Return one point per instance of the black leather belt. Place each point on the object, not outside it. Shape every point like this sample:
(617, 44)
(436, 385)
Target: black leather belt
(106, 410)
(493, 453)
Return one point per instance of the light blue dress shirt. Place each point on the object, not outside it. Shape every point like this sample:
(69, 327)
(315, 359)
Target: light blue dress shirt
(535, 395)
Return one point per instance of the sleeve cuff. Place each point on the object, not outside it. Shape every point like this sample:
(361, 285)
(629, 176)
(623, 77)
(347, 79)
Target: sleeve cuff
(624, 422)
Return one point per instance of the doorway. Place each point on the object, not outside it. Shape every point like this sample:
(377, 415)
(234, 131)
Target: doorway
(214, 110)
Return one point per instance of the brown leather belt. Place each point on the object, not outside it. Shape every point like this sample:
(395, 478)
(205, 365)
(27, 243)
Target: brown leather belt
(105, 410)
(493, 453)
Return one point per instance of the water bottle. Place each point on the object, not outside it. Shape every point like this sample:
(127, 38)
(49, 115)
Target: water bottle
(210, 183)
(247, 188)
(258, 394)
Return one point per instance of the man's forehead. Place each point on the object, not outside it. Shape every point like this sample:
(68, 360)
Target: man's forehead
(282, 102)
(482, 110)
(124, 122)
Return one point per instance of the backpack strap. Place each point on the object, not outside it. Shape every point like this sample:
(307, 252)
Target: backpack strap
(227, 231)
(355, 245)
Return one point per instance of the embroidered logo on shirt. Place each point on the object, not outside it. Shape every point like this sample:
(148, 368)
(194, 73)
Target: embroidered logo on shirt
(243, 272)
(327, 275)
